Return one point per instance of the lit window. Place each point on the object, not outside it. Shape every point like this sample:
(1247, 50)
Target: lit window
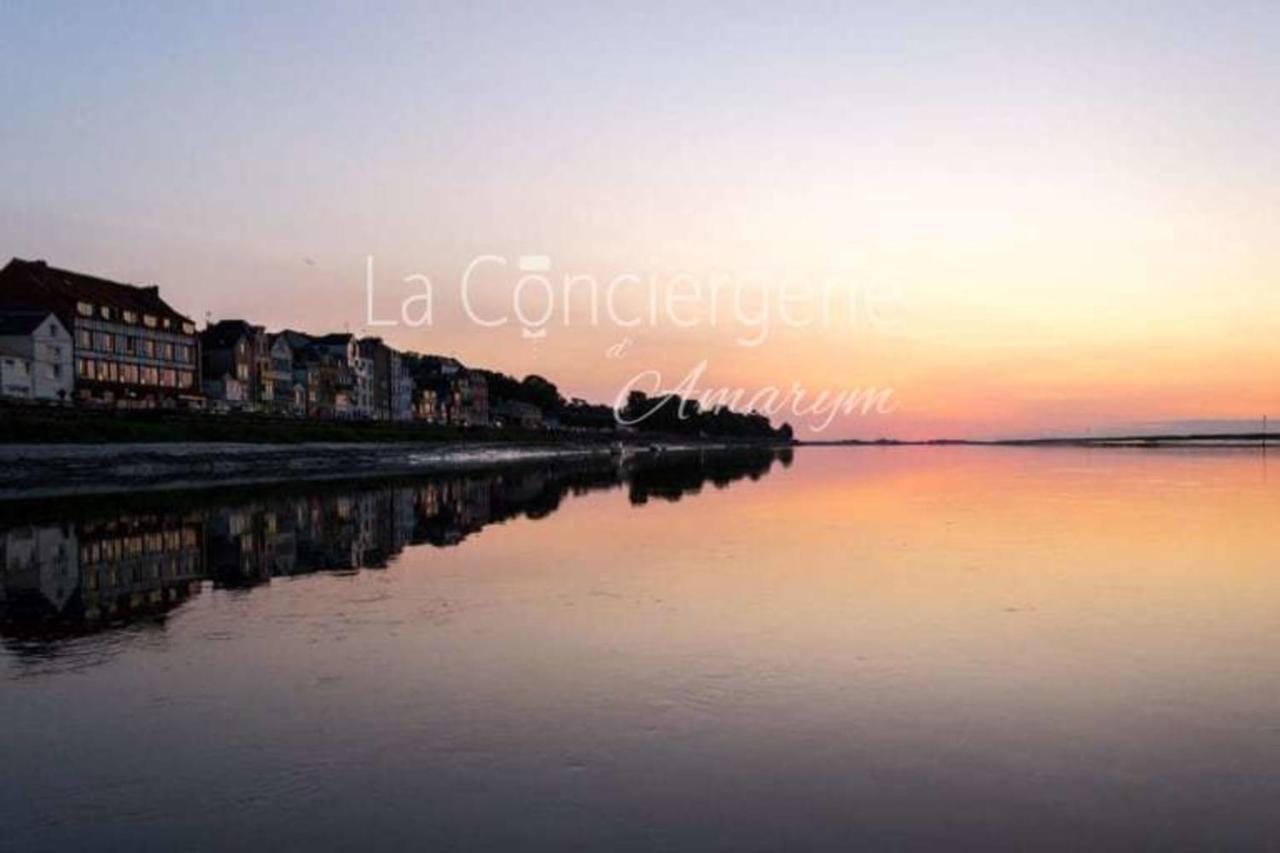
(131, 316)
(149, 321)
(84, 309)
(106, 312)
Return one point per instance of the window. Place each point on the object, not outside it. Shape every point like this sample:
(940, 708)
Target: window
(149, 321)
(149, 348)
(84, 309)
(185, 378)
(56, 371)
(84, 339)
(168, 378)
(166, 351)
(130, 316)
(188, 328)
(167, 323)
(104, 341)
(105, 311)
(129, 373)
(84, 368)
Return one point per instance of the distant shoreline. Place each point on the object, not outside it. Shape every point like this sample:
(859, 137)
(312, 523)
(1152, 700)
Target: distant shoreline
(1215, 440)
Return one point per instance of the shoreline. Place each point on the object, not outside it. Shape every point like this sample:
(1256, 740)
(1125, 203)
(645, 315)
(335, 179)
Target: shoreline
(42, 471)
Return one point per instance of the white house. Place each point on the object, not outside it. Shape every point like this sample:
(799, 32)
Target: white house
(35, 356)
(43, 559)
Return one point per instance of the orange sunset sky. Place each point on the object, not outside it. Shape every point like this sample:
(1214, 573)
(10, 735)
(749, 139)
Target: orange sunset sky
(1075, 209)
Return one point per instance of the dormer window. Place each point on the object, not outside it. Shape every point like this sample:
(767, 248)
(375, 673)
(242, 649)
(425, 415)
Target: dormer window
(149, 321)
(105, 311)
(188, 329)
(84, 309)
(131, 316)
(167, 324)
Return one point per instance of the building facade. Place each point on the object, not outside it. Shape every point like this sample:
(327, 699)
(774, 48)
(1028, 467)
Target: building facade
(352, 378)
(472, 393)
(35, 357)
(322, 377)
(238, 350)
(391, 384)
(130, 348)
(290, 397)
(458, 396)
(402, 402)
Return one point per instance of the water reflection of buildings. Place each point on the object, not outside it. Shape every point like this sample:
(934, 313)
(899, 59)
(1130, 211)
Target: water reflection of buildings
(100, 570)
(67, 576)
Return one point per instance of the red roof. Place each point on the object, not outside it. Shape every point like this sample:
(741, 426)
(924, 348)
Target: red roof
(27, 285)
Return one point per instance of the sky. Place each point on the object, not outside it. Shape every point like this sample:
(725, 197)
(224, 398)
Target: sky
(1064, 214)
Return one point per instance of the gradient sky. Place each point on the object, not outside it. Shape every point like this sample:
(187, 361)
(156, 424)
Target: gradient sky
(1078, 202)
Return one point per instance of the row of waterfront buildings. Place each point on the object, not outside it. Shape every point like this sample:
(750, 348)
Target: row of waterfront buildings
(75, 338)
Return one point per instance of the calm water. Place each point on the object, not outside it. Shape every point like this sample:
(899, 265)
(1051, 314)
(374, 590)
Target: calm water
(855, 648)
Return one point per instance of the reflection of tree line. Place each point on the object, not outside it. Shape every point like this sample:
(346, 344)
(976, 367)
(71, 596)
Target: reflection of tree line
(75, 575)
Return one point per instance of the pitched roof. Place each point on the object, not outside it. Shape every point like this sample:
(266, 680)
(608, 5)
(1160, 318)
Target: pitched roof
(21, 322)
(296, 340)
(225, 333)
(36, 285)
